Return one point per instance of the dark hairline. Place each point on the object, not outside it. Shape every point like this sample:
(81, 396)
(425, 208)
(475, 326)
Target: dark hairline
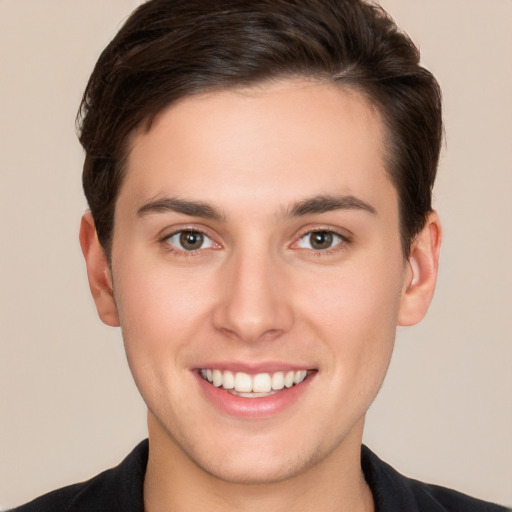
(357, 46)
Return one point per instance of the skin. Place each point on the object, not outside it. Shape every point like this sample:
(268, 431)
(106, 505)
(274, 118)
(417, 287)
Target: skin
(258, 291)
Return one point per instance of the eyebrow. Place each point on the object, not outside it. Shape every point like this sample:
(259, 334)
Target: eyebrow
(323, 204)
(173, 204)
(313, 205)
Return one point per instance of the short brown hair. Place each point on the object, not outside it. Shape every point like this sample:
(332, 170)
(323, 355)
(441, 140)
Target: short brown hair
(169, 49)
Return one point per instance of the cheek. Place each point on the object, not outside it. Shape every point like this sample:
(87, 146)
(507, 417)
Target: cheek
(356, 298)
(157, 294)
(355, 311)
(160, 313)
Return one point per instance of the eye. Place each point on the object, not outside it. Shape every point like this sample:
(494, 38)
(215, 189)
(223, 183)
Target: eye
(190, 240)
(320, 240)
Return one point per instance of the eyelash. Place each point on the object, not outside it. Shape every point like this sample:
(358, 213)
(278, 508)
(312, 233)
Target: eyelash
(165, 241)
(342, 243)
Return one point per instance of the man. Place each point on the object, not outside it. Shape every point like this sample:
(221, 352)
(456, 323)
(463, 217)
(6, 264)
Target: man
(259, 175)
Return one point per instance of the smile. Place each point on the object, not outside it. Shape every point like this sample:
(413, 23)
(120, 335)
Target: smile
(253, 386)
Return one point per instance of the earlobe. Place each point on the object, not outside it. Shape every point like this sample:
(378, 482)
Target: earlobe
(420, 281)
(98, 272)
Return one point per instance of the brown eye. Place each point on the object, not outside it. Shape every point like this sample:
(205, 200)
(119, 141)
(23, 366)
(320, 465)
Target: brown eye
(190, 240)
(320, 240)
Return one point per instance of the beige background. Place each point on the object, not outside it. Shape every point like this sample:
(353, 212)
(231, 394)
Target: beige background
(68, 407)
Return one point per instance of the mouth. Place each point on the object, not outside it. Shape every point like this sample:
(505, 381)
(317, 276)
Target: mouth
(259, 385)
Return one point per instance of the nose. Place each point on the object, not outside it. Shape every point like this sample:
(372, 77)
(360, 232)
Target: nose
(254, 298)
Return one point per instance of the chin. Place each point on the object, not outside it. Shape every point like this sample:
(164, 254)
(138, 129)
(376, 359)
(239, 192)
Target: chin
(256, 470)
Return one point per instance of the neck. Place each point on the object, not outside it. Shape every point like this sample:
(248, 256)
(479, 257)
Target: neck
(175, 482)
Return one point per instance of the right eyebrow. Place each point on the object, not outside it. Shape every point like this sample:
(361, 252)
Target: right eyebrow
(323, 204)
(183, 206)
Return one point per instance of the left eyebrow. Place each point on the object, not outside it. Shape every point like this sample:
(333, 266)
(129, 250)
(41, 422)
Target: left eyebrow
(323, 204)
(183, 206)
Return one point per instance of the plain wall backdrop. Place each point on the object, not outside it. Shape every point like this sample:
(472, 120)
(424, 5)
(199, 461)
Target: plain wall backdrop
(68, 407)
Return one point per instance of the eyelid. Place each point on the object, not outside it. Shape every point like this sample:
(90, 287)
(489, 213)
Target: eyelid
(346, 239)
(168, 233)
(205, 240)
(337, 239)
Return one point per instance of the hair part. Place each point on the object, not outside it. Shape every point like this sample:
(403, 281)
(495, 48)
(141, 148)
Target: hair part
(171, 49)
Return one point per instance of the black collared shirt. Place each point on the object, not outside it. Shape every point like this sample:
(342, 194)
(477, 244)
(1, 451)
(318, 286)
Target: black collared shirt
(120, 490)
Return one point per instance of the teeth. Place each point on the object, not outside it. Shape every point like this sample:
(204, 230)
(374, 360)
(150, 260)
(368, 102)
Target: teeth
(217, 378)
(243, 382)
(278, 380)
(288, 380)
(299, 376)
(228, 380)
(261, 384)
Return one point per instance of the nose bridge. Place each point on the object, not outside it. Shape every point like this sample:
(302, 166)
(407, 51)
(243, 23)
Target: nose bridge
(254, 303)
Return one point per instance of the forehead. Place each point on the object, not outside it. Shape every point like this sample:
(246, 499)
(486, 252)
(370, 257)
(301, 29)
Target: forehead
(267, 144)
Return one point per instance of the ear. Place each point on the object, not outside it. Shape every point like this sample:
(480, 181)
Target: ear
(421, 273)
(98, 272)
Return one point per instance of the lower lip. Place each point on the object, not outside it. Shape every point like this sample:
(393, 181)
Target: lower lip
(259, 407)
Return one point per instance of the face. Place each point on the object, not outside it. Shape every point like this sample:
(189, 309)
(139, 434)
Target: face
(258, 276)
